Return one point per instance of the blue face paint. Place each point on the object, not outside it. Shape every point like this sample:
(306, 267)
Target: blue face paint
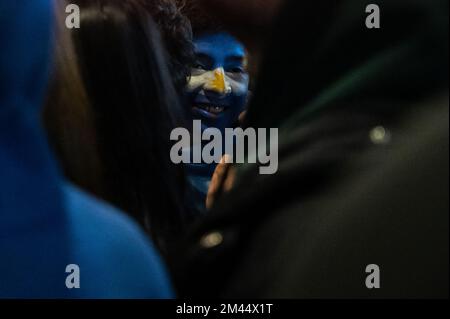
(218, 87)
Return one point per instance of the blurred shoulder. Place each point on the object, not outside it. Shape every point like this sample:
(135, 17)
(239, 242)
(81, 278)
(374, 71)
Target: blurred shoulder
(115, 256)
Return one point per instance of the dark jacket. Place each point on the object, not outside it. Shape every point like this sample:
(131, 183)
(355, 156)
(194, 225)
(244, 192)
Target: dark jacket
(348, 192)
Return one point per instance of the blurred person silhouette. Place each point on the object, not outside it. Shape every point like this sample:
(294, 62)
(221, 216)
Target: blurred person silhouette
(68, 116)
(363, 150)
(46, 223)
(133, 106)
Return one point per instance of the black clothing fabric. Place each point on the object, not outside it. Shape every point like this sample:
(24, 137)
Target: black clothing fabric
(361, 180)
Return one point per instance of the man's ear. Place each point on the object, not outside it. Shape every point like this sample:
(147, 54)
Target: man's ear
(245, 63)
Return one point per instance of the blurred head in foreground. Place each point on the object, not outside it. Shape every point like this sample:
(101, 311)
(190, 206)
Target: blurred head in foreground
(134, 106)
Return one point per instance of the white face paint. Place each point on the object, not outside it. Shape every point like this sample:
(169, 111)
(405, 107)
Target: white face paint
(218, 81)
(217, 89)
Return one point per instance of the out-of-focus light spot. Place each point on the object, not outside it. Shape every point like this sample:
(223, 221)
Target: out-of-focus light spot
(380, 135)
(211, 240)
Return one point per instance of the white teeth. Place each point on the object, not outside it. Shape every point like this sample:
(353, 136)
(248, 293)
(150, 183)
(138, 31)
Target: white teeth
(211, 109)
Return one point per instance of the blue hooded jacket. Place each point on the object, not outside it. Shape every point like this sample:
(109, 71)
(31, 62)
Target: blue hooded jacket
(46, 224)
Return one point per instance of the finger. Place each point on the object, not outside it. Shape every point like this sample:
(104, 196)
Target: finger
(217, 181)
(242, 117)
(229, 180)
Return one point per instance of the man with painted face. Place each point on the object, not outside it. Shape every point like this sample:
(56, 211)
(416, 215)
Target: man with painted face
(217, 91)
(218, 87)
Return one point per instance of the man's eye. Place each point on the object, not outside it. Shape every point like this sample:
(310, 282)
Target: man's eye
(199, 66)
(236, 70)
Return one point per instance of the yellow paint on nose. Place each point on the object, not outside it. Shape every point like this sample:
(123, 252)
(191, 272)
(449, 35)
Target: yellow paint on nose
(218, 83)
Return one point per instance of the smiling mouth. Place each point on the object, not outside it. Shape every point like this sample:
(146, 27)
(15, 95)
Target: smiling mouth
(210, 109)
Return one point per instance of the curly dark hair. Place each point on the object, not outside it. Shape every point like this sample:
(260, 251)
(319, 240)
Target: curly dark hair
(176, 34)
(200, 20)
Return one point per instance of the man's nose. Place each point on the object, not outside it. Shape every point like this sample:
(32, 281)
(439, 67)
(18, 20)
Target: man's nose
(218, 83)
